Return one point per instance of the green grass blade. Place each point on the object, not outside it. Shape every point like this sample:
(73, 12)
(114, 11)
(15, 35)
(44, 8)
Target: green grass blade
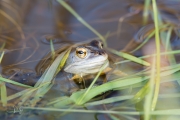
(168, 37)
(25, 95)
(63, 61)
(109, 100)
(2, 47)
(148, 98)
(146, 11)
(148, 37)
(130, 57)
(105, 87)
(48, 76)
(61, 102)
(157, 40)
(117, 83)
(144, 41)
(78, 17)
(152, 55)
(16, 95)
(50, 72)
(3, 94)
(1, 57)
(158, 112)
(10, 81)
(52, 50)
(13, 82)
(80, 101)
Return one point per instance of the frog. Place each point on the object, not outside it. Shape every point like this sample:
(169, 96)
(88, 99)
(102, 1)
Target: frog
(83, 60)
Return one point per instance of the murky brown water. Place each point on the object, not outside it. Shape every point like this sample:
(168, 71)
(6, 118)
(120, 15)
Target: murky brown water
(41, 20)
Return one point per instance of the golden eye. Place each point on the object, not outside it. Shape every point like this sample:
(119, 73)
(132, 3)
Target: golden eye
(81, 52)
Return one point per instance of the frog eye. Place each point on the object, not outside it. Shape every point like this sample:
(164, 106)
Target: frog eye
(81, 52)
(101, 46)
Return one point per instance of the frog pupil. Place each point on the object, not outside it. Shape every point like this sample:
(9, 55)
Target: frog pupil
(80, 52)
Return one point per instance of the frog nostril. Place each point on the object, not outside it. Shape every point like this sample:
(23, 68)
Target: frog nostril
(102, 53)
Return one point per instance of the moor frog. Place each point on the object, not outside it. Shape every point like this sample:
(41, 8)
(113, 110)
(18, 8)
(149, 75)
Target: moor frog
(84, 59)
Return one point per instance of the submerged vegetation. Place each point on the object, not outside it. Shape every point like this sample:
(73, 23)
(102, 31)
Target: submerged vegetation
(143, 86)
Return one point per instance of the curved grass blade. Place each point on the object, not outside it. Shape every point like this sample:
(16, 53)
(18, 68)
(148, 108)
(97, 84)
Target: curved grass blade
(54, 68)
(158, 59)
(105, 87)
(63, 61)
(78, 17)
(130, 57)
(48, 76)
(148, 98)
(80, 101)
(121, 98)
(152, 55)
(144, 41)
(117, 83)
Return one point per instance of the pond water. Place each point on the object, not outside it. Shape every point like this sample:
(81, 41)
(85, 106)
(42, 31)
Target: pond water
(28, 26)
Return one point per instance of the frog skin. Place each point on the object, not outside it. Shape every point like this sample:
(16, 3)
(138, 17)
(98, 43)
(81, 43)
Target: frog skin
(84, 59)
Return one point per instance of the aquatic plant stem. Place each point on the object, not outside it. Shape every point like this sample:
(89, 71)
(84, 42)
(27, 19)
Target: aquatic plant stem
(157, 40)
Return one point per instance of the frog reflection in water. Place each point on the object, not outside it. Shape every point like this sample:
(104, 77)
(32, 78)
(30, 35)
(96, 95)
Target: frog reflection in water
(83, 60)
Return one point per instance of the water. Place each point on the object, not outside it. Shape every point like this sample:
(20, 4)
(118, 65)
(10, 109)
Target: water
(41, 21)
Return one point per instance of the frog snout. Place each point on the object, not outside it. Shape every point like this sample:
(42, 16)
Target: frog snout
(102, 53)
(96, 53)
